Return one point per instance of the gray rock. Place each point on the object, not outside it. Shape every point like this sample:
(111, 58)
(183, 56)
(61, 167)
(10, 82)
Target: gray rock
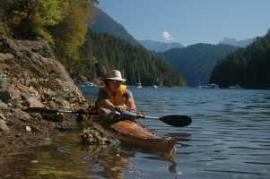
(3, 126)
(28, 129)
(33, 102)
(5, 96)
(2, 117)
(34, 161)
(3, 105)
(3, 80)
(19, 114)
(30, 76)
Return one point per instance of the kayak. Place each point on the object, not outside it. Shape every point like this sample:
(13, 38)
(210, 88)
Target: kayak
(130, 133)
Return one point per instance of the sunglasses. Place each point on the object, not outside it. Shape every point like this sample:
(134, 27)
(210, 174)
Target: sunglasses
(115, 82)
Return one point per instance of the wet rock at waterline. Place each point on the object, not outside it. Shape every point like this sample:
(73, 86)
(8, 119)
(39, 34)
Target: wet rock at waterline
(30, 76)
(91, 136)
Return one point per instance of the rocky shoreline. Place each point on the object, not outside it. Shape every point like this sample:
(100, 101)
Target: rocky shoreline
(30, 76)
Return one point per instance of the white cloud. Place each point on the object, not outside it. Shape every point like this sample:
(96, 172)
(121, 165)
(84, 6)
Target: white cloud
(166, 35)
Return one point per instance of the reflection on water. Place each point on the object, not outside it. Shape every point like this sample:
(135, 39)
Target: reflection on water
(67, 158)
(60, 160)
(228, 138)
(107, 161)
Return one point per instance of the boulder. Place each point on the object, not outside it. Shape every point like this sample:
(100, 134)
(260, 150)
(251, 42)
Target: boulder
(2, 117)
(30, 76)
(20, 115)
(3, 106)
(5, 96)
(3, 126)
(33, 102)
(28, 129)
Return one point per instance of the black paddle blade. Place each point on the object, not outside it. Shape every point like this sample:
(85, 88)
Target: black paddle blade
(176, 120)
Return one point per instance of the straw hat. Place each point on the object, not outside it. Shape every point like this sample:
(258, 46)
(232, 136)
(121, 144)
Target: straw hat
(115, 75)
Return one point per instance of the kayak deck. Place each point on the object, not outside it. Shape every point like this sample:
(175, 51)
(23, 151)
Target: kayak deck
(130, 133)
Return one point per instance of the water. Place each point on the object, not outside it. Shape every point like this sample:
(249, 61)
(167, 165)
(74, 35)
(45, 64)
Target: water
(228, 138)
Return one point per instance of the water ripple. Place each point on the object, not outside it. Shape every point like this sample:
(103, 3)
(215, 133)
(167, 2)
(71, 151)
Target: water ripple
(230, 131)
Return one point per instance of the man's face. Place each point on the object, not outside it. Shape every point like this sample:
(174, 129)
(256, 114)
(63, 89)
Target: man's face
(114, 85)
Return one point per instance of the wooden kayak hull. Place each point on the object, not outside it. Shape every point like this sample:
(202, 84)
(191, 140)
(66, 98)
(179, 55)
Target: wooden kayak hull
(130, 133)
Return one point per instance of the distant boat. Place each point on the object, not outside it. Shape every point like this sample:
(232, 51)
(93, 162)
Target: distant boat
(235, 87)
(139, 85)
(213, 85)
(155, 86)
(210, 86)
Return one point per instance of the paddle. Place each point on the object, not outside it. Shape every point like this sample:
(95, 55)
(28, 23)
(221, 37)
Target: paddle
(173, 120)
(44, 110)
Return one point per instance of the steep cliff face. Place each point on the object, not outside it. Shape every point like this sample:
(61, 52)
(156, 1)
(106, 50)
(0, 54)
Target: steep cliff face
(31, 77)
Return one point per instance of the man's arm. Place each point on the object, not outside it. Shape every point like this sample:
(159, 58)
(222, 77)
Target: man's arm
(103, 100)
(130, 101)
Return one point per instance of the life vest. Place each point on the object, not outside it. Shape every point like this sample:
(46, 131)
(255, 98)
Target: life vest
(118, 97)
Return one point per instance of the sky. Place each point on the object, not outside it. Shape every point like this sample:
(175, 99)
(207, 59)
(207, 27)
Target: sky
(190, 21)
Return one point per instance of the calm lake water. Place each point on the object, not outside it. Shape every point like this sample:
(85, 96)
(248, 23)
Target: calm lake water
(228, 138)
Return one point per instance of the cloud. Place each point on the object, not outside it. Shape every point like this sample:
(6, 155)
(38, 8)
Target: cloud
(166, 35)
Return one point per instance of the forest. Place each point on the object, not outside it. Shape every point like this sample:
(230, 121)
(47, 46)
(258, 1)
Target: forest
(136, 63)
(247, 67)
(64, 25)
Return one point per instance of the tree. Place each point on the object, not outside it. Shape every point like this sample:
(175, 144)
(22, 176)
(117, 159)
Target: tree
(247, 67)
(114, 53)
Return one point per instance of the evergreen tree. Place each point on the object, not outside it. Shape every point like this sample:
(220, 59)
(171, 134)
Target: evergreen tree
(247, 67)
(135, 62)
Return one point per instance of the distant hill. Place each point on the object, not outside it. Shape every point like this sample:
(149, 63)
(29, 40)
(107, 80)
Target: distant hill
(237, 43)
(196, 62)
(114, 53)
(247, 67)
(103, 23)
(159, 46)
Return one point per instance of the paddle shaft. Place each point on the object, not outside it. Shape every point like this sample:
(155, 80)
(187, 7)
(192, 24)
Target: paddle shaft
(173, 120)
(150, 117)
(44, 110)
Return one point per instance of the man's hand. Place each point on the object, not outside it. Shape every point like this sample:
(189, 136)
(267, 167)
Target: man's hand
(82, 111)
(120, 108)
(140, 114)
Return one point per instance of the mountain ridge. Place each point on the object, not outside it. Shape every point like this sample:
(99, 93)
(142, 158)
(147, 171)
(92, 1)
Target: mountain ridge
(238, 43)
(196, 62)
(158, 46)
(103, 23)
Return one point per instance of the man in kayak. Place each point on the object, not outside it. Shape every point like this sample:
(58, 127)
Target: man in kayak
(115, 95)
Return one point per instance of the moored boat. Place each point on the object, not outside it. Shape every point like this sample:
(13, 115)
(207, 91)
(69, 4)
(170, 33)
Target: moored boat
(130, 133)
(139, 85)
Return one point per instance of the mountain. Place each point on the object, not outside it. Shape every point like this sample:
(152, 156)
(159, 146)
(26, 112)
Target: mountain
(247, 67)
(159, 46)
(237, 43)
(114, 53)
(103, 23)
(196, 62)
(113, 47)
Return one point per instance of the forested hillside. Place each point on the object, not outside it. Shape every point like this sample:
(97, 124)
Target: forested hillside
(64, 26)
(237, 43)
(134, 62)
(196, 62)
(249, 67)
